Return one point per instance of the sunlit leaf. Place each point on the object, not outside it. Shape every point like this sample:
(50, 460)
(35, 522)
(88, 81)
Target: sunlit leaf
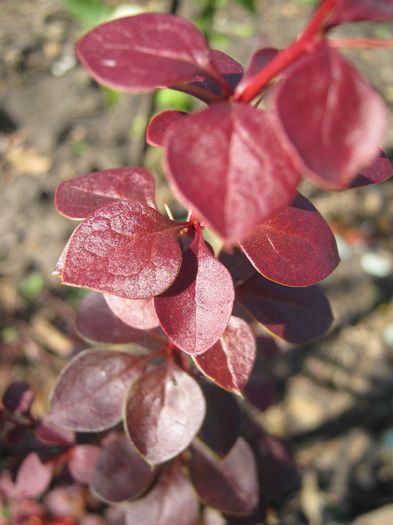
(89, 394)
(137, 313)
(164, 411)
(33, 477)
(82, 462)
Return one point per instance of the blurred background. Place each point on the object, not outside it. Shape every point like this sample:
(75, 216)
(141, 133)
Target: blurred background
(332, 399)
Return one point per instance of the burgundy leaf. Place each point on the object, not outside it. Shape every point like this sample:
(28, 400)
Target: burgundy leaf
(145, 52)
(237, 264)
(33, 477)
(18, 398)
(345, 121)
(297, 315)
(361, 10)
(164, 410)
(260, 389)
(229, 362)
(50, 434)
(160, 124)
(221, 427)
(381, 169)
(78, 197)
(258, 61)
(296, 247)
(230, 484)
(171, 501)
(89, 394)
(126, 249)
(137, 313)
(82, 462)
(228, 164)
(97, 322)
(195, 310)
(228, 67)
(120, 473)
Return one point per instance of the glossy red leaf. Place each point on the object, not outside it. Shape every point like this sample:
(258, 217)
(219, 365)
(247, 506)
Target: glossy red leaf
(296, 247)
(164, 410)
(126, 249)
(89, 394)
(229, 484)
(297, 315)
(228, 164)
(171, 501)
(222, 424)
(33, 477)
(379, 170)
(144, 52)
(137, 313)
(78, 197)
(120, 473)
(361, 10)
(160, 124)
(229, 362)
(195, 310)
(258, 61)
(96, 322)
(82, 462)
(345, 121)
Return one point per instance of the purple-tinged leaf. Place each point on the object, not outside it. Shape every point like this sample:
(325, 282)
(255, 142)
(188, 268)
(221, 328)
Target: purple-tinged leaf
(229, 484)
(346, 118)
(361, 10)
(260, 389)
(145, 52)
(78, 197)
(82, 462)
(227, 67)
(258, 61)
(160, 124)
(126, 249)
(195, 310)
(229, 165)
(229, 362)
(50, 434)
(171, 501)
(33, 477)
(296, 247)
(237, 264)
(297, 315)
(97, 322)
(164, 410)
(120, 473)
(221, 427)
(380, 170)
(137, 313)
(18, 398)
(89, 394)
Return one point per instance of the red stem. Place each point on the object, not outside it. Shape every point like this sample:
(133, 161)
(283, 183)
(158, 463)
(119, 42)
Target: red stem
(288, 55)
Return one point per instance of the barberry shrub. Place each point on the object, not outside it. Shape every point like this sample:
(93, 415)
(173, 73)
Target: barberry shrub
(186, 313)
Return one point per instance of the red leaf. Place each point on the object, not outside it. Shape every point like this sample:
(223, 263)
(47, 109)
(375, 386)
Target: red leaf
(126, 249)
(33, 477)
(345, 121)
(230, 361)
(230, 484)
(120, 472)
(144, 52)
(77, 198)
(237, 264)
(228, 164)
(18, 398)
(171, 501)
(164, 410)
(89, 394)
(160, 124)
(297, 315)
(97, 322)
(82, 462)
(380, 170)
(195, 310)
(258, 61)
(296, 247)
(137, 313)
(53, 435)
(361, 10)
(222, 424)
